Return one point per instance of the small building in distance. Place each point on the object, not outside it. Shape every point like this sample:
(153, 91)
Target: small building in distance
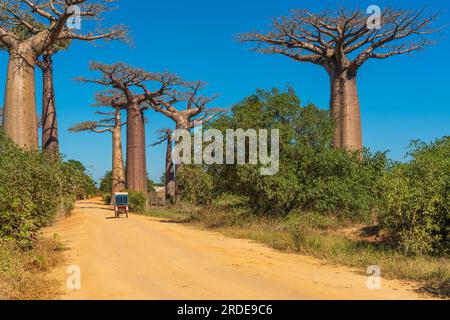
(157, 198)
(160, 192)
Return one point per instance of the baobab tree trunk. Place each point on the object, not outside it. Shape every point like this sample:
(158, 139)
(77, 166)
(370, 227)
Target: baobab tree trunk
(118, 171)
(344, 104)
(181, 124)
(50, 141)
(20, 121)
(170, 174)
(136, 171)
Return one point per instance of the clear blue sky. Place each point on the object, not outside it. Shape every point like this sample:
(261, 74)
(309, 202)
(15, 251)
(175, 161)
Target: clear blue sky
(402, 99)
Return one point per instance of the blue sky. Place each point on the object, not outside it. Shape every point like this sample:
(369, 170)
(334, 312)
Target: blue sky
(402, 99)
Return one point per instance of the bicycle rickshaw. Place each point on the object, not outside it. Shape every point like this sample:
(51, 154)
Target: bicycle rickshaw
(121, 204)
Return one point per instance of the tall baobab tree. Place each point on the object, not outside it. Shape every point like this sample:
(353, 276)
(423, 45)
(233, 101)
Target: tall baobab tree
(165, 135)
(113, 124)
(46, 24)
(48, 122)
(341, 42)
(134, 84)
(50, 138)
(184, 105)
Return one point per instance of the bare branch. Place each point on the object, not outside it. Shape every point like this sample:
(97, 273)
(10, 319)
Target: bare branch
(327, 38)
(90, 126)
(46, 22)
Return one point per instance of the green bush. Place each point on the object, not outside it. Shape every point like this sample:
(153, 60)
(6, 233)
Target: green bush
(107, 198)
(195, 184)
(231, 201)
(301, 219)
(33, 189)
(68, 202)
(417, 200)
(137, 202)
(76, 181)
(313, 176)
(106, 183)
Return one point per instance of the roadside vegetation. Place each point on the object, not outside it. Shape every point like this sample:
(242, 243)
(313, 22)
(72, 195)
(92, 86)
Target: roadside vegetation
(24, 273)
(35, 189)
(326, 202)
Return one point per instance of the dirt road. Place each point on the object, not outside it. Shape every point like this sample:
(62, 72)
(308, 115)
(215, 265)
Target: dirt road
(146, 258)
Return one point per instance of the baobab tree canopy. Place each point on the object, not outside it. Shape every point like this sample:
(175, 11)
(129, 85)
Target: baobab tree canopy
(186, 106)
(341, 42)
(28, 28)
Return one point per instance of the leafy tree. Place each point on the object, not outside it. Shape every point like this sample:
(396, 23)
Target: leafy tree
(313, 175)
(77, 182)
(416, 200)
(106, 183)
(196, 184)
(34, 188)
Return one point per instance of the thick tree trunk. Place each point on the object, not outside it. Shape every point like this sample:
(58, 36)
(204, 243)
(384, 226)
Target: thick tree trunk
(170, 174)
(181, 124)
(20, 121)
(345, 108)
(136, 159)
(118, 171)
(50, 141)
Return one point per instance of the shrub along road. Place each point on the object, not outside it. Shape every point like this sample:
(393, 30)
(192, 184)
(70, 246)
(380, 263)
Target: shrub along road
(147, 258)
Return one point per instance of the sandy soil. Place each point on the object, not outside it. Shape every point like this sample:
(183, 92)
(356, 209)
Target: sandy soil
(147, 258)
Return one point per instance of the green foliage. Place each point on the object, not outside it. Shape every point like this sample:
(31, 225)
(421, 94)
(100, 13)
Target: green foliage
(298, 219)
(33, 189)
(137, 202)
(313, 175)
(231, 201)
(106, 183)
(416, 200)
(77, 181)
(107, 197)
(195, 184)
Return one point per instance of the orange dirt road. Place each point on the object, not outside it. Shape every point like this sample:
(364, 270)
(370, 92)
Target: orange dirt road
(146, 258)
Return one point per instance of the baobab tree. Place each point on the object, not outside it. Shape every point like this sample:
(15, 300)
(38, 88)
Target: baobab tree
(50, 138)
(48, 121)
(45, 23)
(166, 135)
(134, 84)
(341, 42)
(113, 124)
(183, 104)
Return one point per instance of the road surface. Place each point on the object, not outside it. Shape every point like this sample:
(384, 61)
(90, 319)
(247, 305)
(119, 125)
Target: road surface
(147, 258)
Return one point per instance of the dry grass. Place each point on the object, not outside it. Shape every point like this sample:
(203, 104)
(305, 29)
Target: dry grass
(324, 243)
(24, 273)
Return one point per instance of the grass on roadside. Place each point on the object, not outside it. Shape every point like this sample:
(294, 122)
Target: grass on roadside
(24, 273)
(321, 242)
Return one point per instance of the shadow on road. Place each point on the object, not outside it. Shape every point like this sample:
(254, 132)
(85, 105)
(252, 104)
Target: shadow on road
(184, 221)
(97, 208)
